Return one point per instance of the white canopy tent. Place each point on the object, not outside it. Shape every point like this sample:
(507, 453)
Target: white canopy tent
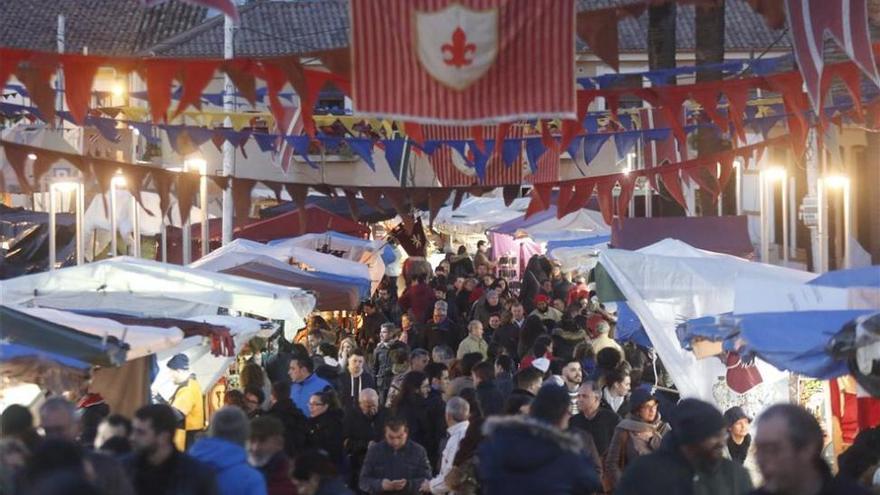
(477, 215)
(286, 252)
(374, 254)
(670, 282)
(156, 289)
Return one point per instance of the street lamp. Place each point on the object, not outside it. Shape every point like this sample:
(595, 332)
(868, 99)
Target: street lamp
(841, 183)
(198, 163)
(766, 180)
(68, 186)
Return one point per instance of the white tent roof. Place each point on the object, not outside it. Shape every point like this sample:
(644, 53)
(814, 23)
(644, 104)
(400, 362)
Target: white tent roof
(142, 340)
(362, 251)
(669, 282)
(156, 289)
(576, 225)
(284, 251)
(476, 215)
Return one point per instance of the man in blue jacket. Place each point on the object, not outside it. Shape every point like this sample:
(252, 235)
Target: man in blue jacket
(534, 454)
(305, 383)
(223, 451)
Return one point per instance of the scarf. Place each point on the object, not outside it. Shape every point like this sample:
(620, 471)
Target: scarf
(739, 452)
(614, 401)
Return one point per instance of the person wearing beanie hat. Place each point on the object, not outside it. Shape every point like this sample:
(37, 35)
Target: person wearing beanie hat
(534, 454)
(543, 309)
(486, 306)
(639, 433)
(690, 458)
(187, 399)
(739, 446)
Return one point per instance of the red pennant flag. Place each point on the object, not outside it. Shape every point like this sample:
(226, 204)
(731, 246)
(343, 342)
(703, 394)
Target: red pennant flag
(846, 21)
(540, 195)
(583, 191)
(477, 134)
(187, 188)
(605, 190)
(372, 197)
(510, 193)
(705, 176)
(159, 75)
(413, 130)
(79, 74)
(672, 181)
(457, 64)
(627, 186)
(35, 75)
(599, 30)
(707, 96)
(566, 191)
(242, 72)
(196, 76)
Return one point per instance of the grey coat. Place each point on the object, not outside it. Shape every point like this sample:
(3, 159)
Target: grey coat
(384, 463)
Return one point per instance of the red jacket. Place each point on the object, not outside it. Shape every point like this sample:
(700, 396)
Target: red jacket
(419, 299)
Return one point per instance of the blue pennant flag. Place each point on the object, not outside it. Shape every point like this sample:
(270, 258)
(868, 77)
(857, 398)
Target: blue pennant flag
(481, 159)
(625, 141)
(534, 150)
(106, 127)
(146, 131)
(393, 154)
(574, 146)
(300, 145)
(511, 151)
(199, 135)
(330, 143)
(231, 136)
(592, 144)
(626, 121)
(215, 99)
(266, 142)
(764, 124)
(429, 147)
(363, 148)
(591, 124)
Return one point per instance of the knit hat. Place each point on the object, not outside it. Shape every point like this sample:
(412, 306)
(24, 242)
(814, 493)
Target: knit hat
(491, 293)
(542, 364)
(640, 396)
(179, 362)
(735, 414)
(542, 298)
(693, 421)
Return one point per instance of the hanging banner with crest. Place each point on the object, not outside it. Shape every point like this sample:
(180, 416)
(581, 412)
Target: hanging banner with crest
(463, 62)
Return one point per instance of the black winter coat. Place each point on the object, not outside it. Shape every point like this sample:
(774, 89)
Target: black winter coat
(491, 399)
(522, 455)
(325, 433)
(179, 475)
(295, 424)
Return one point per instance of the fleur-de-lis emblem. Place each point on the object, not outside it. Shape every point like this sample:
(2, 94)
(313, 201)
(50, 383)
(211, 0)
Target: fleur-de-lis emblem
(458, 49)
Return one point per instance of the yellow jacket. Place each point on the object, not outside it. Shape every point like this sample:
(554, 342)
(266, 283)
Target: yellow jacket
(189, 401)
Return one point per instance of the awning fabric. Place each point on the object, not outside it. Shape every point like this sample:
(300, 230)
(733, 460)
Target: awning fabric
(151, 288)
(22, 327)
(727, 234)
(330, 291)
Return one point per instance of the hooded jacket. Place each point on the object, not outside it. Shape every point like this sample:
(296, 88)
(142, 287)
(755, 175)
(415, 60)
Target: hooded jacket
(522, 455)
(566, 339)
(632, 438)
(229, 462)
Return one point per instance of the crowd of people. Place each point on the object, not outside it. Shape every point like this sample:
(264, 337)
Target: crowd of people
(466, 383)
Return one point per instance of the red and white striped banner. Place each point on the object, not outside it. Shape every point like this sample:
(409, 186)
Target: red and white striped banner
(453, 169)
(846, 21)
(463, 62)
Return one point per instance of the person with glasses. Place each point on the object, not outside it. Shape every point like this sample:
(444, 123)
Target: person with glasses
(325, 425)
